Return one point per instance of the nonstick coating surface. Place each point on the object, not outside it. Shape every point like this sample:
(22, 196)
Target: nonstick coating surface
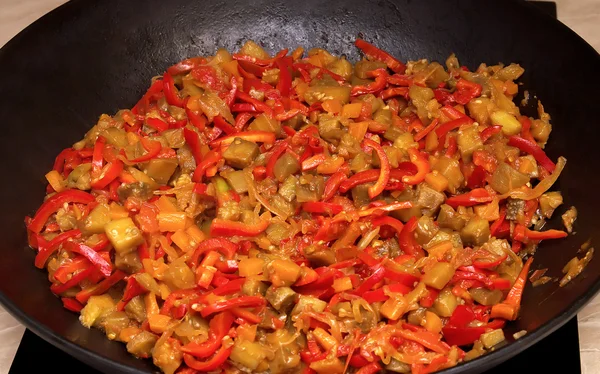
(92, 57)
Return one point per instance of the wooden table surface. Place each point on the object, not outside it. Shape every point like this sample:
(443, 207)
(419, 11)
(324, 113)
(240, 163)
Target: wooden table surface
(583, 16)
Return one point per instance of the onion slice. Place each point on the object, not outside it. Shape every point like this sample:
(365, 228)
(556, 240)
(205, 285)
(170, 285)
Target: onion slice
(542, 187)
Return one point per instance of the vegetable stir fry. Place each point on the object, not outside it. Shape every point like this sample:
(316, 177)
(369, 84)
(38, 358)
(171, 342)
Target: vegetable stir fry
(301, 214)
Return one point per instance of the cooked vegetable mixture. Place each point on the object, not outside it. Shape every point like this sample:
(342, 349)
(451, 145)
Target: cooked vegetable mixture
(301, 214)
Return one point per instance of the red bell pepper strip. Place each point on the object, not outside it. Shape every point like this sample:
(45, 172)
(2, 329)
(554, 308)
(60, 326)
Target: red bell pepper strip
(443, 96)
(427, 339)
(220, 123)
(486, 160)
(384, 171)
(406, 240)
(488, 262)
(452, 125)
(217, 244)
(371, 175)
(277, 152)
(376, 210)
(401, 277)
(380, 76)
(379, 294)
(257, 61)
(259, 105)
(57, 289)
(210, 365)
(253, 136)
(462, 335)
(295, 104)
(211, 159)
(69, 267)
(400, 80)
(531, 207)
(320, 207)
(250, 71)
(173, 296)
(371, 368)
(314, 161)
(230, 97)
(477, 178)
(423, 133)
(285, 78)
(333, 75)
(157, 124)
(256, 84)
(326, 276)
(333, 184)
(388, 221)
(495, 227)
(170, 90)
(523, 234)
(241, 120)
(533, 149)
(489, 132)
(377, 54)
(193, 141)
(222, 227)
(287, 115)
(109, 173)
(59, 161)
(359, 178)
(377, 275)
(452, 112)
(97, 155)
(462, 316)
(307, 276)
(435, 364)
(473, 197)
(238, 302)
(71, 304)
(471, 275)
(195, 118)
(101, 287)
(186, 65)
(98, 261)
(132, 289)
(422, 164)
(54, 203)
(226, 266)
(312, 352)
(357, 360)
(152, 147)
(466, 91)
(499, 284)
(304, 69)
(46, 250)
(219, 326)
(392, 92)
(428, 300)
(367, 259)
(246, 315)
(244, 108)
(525, 129)
(230, 287)
(141, 106)
(207, 77)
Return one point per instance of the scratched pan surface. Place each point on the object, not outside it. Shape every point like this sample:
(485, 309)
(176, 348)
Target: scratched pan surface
(92, 57)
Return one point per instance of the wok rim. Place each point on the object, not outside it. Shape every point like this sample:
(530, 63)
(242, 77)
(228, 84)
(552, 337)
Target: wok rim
(477, 365)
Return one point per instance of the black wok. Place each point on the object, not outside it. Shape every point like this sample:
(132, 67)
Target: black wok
(91, 57)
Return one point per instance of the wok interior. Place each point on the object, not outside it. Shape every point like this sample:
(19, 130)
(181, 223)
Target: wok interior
(85, 60)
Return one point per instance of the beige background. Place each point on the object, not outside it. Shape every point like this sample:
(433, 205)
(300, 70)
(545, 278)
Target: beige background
(583, 16)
